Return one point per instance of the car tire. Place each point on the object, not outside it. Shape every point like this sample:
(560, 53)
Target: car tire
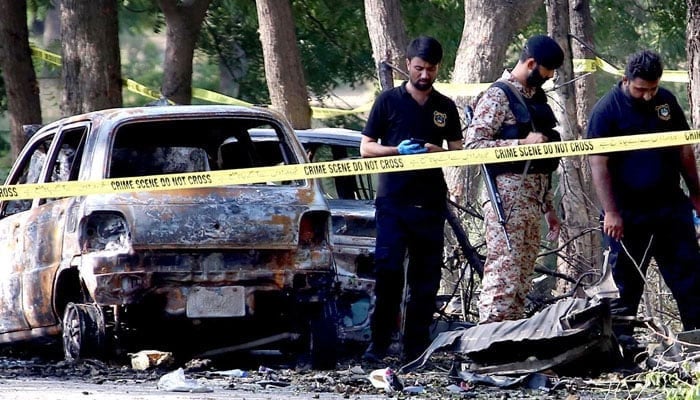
(323, 340)
(83, 332)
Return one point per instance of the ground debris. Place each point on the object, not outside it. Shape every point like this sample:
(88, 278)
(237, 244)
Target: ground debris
(350, 379)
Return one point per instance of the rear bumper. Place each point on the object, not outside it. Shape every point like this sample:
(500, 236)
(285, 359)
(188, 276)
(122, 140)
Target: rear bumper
(167, 281)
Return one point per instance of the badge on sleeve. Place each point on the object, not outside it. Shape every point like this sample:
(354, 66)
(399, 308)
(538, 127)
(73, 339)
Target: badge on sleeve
(664, 112)
(440, 119)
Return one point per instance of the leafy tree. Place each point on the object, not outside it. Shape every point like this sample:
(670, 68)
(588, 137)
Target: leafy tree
(442, 19)
(333, 43)
(91, 63)
(693, 47)
(659, 26)
(283, 69)
(21, 88)
(332, 40)
(388, 39)
(230, 38)
(183, 25)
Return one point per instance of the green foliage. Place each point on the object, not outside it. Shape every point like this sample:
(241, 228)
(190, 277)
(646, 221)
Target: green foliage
(140, 16)
(655, 25)
(36, 10)
(230, 37)
(659, 26)
(673, 386)
(142, 61)
(332, 40)
(649, 24)
(335, 46)
(442, 19)
(334, 43)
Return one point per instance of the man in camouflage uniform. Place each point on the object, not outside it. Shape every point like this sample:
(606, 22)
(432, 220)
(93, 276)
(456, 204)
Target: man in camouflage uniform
(513, 112)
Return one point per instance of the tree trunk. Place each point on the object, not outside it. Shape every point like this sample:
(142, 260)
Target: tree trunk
(572, 212)
(91, 62)
(21, 86)
(579, 211)
(183, 19)
(51, 36)
(693, 54)
(489, 26)
(285, 77)
(582, 28)
(387, 34)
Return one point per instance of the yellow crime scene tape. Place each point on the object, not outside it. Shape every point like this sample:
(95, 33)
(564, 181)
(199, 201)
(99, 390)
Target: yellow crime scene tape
(449, 89)
(355, 166)
(592, 65)
(350, 167)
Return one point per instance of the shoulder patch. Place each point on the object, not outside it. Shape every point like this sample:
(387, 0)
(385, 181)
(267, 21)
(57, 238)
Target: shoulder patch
(439, 119)
(663, 111)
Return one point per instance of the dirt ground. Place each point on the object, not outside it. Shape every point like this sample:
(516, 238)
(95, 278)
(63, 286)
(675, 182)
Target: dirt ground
(23, 376)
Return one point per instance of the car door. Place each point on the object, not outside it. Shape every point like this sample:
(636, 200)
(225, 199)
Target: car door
(13, 223)
(45, 228)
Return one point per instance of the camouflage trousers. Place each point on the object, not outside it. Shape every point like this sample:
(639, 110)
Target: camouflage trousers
(507, 273)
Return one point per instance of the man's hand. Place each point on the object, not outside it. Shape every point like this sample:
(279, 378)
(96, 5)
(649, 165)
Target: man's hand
(409, 147)
(553, 224)
(612, 225)
(534, 138)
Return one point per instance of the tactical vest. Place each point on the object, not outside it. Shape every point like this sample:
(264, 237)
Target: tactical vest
(538, 113)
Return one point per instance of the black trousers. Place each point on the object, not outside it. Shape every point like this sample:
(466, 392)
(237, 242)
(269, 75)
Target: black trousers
(420, 232)
(667, 235)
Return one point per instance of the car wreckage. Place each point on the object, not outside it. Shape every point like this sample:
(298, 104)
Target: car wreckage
(229, 267)
(287, 264)
(351, 201)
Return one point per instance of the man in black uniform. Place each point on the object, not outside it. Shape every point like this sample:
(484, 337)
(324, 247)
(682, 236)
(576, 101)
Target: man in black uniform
(410, 205)
(645, 211)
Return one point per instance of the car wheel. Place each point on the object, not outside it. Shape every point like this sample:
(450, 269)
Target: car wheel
(323, 338)
(83, 332)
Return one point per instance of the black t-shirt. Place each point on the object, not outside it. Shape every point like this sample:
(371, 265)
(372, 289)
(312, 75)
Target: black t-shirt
(395, 117)
(648, 178)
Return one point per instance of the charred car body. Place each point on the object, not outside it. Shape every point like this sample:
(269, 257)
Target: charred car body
(235, 264)
(351, 200)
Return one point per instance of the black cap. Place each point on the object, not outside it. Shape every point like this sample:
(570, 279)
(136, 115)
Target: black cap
(545, 51)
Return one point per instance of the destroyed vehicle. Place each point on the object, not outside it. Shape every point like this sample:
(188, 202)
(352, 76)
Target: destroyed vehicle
(200, 268)
(351, 200)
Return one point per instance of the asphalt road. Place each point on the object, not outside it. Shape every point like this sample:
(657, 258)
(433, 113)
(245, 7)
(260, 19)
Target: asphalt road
(54, 389)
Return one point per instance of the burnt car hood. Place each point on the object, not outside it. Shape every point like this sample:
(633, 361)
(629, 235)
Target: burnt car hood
(227, 217)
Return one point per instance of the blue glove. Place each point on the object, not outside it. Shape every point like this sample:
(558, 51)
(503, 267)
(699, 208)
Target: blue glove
(409, 147)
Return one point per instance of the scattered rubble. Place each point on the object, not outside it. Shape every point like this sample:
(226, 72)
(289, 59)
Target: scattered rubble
(352, 378)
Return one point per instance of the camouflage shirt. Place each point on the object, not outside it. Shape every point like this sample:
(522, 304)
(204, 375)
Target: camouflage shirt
(492, 111)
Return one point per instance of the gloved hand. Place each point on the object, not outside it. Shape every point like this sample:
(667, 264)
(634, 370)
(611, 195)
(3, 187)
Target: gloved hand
(409, 147)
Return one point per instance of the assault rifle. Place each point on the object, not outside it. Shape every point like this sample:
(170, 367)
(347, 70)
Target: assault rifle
(491, 188)
(496, 201)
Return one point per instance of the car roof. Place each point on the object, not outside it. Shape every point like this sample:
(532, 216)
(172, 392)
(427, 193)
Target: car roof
(331, 136)
(120, 114)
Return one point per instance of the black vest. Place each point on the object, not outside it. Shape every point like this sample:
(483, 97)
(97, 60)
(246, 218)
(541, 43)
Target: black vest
(538, 113)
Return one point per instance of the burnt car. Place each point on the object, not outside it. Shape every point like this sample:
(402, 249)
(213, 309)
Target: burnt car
(351, 200)
(198, 268)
